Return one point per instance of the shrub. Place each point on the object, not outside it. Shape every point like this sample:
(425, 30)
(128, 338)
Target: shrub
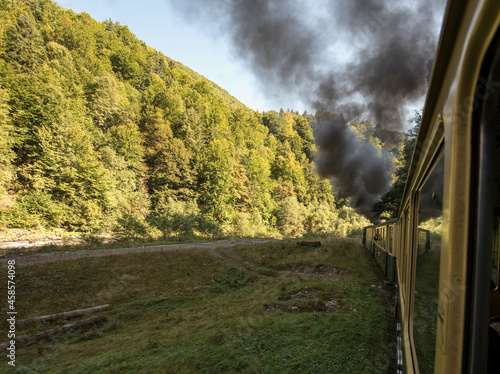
(207, 225)
(321, 218)
(173, 217)
(182, 224)
(37, 209)
(291, 217)
(129, 225)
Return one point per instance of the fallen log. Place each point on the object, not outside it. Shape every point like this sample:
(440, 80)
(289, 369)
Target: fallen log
(70, 314)
(56, 331)
(309, 243)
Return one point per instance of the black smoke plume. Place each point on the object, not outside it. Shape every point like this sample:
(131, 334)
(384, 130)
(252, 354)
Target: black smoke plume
(356, 169)
(356, 57)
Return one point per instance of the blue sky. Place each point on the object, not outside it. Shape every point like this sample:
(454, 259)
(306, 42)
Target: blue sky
(353, 49)
(155, 23)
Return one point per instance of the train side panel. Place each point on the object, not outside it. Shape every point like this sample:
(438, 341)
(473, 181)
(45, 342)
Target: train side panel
(381, 241)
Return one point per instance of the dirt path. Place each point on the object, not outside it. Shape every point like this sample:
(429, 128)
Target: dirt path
(229, 258)
(220, 249)
(36, 258)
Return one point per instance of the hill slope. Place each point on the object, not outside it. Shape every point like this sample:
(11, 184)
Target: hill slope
(99, 132)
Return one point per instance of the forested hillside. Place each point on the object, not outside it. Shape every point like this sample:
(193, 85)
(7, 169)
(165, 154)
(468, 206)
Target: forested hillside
(101, 133)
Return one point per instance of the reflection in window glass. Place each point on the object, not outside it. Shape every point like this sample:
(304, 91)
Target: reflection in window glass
(427, 272)
(495, 255)
(391, 234)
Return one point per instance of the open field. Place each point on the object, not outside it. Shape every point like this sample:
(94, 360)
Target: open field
(262, 308)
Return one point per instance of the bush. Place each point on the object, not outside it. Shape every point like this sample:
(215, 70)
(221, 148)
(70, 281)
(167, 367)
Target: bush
(350, 223)
(129, 225)
(291, 217)
(36, 209)
(174, 217)
(207, 225)
(321, 218)
(356, 233)
(181, 224)
(249, 225)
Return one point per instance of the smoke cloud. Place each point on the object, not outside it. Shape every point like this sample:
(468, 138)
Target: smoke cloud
(356, 169)
(359, 57)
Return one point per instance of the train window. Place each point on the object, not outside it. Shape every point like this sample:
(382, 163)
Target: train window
(391, 235)
(495, 260)
(427, 270)
(405, 248)
(483, 296)
(382, 241)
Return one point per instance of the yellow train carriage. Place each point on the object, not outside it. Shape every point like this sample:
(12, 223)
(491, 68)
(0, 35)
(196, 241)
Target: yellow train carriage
(381, 241)
(449, 296)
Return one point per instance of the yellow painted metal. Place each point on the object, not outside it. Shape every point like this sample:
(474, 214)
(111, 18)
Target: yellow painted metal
(468, 30)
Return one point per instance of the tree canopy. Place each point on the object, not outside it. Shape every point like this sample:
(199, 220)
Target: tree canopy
(99, 132)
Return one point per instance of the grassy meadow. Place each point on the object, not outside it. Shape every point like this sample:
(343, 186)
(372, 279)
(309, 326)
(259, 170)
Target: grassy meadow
(268, 308)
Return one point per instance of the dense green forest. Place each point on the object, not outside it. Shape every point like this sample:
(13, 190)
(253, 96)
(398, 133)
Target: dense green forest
(101, 133)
